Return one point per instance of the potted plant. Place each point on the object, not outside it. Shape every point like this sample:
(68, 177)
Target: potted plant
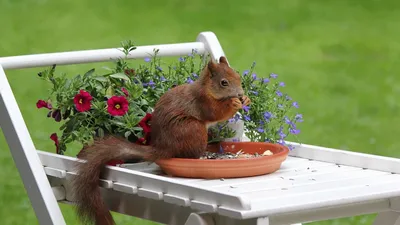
(120, 100)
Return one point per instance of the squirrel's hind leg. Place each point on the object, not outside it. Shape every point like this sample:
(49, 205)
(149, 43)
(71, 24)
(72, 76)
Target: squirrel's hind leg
(188, 140)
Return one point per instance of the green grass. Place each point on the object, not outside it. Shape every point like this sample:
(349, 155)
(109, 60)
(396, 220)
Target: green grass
(338, 59)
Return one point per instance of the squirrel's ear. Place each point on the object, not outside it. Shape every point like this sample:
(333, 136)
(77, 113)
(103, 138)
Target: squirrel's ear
(211, 67)
(223, 60)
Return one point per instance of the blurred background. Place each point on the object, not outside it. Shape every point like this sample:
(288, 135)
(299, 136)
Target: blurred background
(337, 57)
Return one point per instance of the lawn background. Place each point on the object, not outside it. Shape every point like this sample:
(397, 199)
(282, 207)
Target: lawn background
(338, 59)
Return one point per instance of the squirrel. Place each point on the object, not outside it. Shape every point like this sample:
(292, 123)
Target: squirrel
(179, 124)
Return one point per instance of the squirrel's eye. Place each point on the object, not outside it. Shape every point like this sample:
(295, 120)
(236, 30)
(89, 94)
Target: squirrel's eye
(224, 83)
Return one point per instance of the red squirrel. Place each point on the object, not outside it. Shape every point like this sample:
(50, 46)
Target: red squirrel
(178, 129)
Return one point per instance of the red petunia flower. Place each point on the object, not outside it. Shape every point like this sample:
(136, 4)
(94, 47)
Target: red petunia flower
(56, 114)
(141, 141)
(125, 91)
(83, 101)
(43, 104)
(115, 162)
(54, 137)
(144, 124)
(117, 105)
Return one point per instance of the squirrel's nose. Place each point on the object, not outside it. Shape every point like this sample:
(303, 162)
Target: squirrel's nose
(240, 94)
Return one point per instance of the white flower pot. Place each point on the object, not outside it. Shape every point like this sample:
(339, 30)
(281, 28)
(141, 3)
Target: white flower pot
(239, 128)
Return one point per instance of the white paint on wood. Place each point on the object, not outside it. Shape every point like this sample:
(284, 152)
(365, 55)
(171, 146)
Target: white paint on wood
(98, 55)
(125, 188)
(25, 157)
(325, 213)
(384, 188)
(387, 218)
(200, 219)
(152, 182)
(395, 204)
(176, 200)
(203, 206)
(350, 158)
(106, 183)
(156, 195)
(59, 192)
(55, 172)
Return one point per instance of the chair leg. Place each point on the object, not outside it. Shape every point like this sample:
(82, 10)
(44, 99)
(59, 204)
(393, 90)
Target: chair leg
(387, 218)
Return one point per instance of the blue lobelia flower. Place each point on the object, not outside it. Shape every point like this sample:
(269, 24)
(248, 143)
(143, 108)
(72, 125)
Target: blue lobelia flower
(294, 131)
(272, 75)
(151, 83)
(299, 118)
(189, 80)
(254, 92)
(267, 116)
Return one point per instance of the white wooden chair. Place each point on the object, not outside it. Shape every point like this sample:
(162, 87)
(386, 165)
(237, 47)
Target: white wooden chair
(314, 183)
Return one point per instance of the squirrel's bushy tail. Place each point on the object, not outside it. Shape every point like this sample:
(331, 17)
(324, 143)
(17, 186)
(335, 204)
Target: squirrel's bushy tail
(91, 208)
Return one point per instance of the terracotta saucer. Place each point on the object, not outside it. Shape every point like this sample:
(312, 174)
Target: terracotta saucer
(228, 168)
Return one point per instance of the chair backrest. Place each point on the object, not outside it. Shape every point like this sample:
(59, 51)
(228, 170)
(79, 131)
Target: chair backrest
(16, 132)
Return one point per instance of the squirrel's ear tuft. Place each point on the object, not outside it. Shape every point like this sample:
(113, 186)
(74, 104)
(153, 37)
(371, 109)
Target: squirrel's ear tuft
(223, 60)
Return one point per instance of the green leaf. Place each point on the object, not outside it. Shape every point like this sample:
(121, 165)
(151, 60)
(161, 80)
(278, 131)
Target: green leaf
(63, 126)
(99, 87)
(67, 84)
(100, 132)
(118, 123)
(144, 102)
(88, 73)
(78, 77)
(108, 127)
(136, 94)
(120, 76)
(127, 134)
(137, 128)
(101, 79)
(109, 91)
(107, 68)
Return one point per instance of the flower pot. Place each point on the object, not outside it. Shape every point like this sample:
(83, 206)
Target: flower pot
(228, 168)
(238, 127)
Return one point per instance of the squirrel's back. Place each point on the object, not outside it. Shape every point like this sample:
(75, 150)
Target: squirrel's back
(176, 127)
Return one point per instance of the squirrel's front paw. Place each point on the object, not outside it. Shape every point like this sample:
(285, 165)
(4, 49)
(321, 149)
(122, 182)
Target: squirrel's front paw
(245, 100)
(236, 103)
